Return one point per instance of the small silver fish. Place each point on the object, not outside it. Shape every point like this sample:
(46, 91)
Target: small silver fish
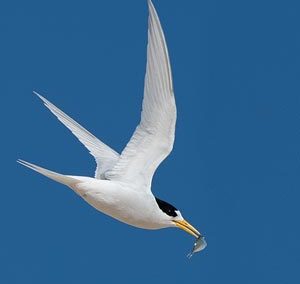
(200, 244)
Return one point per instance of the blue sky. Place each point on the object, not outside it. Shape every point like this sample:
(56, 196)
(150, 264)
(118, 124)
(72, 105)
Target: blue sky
(234, 171)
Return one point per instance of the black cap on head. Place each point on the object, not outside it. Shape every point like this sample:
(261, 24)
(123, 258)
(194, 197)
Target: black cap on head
(166, 207)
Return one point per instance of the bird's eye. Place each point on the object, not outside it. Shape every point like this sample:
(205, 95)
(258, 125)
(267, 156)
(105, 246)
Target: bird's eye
(166, 207)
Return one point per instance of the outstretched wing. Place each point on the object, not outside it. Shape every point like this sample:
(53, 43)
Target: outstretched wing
(153, 139)
(105, 157)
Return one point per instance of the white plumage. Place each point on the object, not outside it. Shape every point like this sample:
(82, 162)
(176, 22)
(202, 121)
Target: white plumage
(122, 184)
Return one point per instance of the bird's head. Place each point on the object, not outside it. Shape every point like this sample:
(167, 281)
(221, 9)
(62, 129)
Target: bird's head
(175, 219)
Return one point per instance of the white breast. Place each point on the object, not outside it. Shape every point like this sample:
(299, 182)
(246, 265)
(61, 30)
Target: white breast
(130, 206)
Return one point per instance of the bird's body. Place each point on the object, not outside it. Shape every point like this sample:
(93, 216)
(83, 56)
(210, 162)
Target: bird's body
(122, 202)
(121, 187)
(116, 199)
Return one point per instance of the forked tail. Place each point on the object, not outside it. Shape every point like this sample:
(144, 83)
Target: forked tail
(64, 179)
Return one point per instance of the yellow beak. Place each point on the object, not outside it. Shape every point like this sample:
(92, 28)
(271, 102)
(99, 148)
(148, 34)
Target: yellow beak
(186, 226)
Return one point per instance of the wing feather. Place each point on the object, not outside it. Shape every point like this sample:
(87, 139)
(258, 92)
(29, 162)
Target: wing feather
(105, 156)
(153, 139)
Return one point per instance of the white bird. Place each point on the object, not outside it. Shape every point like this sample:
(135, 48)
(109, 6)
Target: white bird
(121, 187)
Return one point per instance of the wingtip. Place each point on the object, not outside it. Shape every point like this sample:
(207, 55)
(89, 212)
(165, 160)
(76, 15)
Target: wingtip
(152, 9)
(37, 94)
(153, 16)
(40, 96)
(150, 5)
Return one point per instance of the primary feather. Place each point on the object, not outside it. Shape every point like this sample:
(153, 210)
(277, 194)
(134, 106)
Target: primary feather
(105, 156)
(153, 139)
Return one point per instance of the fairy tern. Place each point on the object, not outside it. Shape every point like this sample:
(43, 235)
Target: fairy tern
(121, 187)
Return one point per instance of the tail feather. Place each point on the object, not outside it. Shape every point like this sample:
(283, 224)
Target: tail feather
(67, 180)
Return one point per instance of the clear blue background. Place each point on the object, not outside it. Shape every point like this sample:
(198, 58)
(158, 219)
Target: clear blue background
(234, 171)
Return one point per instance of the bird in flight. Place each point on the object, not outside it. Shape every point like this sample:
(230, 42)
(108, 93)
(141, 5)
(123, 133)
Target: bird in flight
(121, 187)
